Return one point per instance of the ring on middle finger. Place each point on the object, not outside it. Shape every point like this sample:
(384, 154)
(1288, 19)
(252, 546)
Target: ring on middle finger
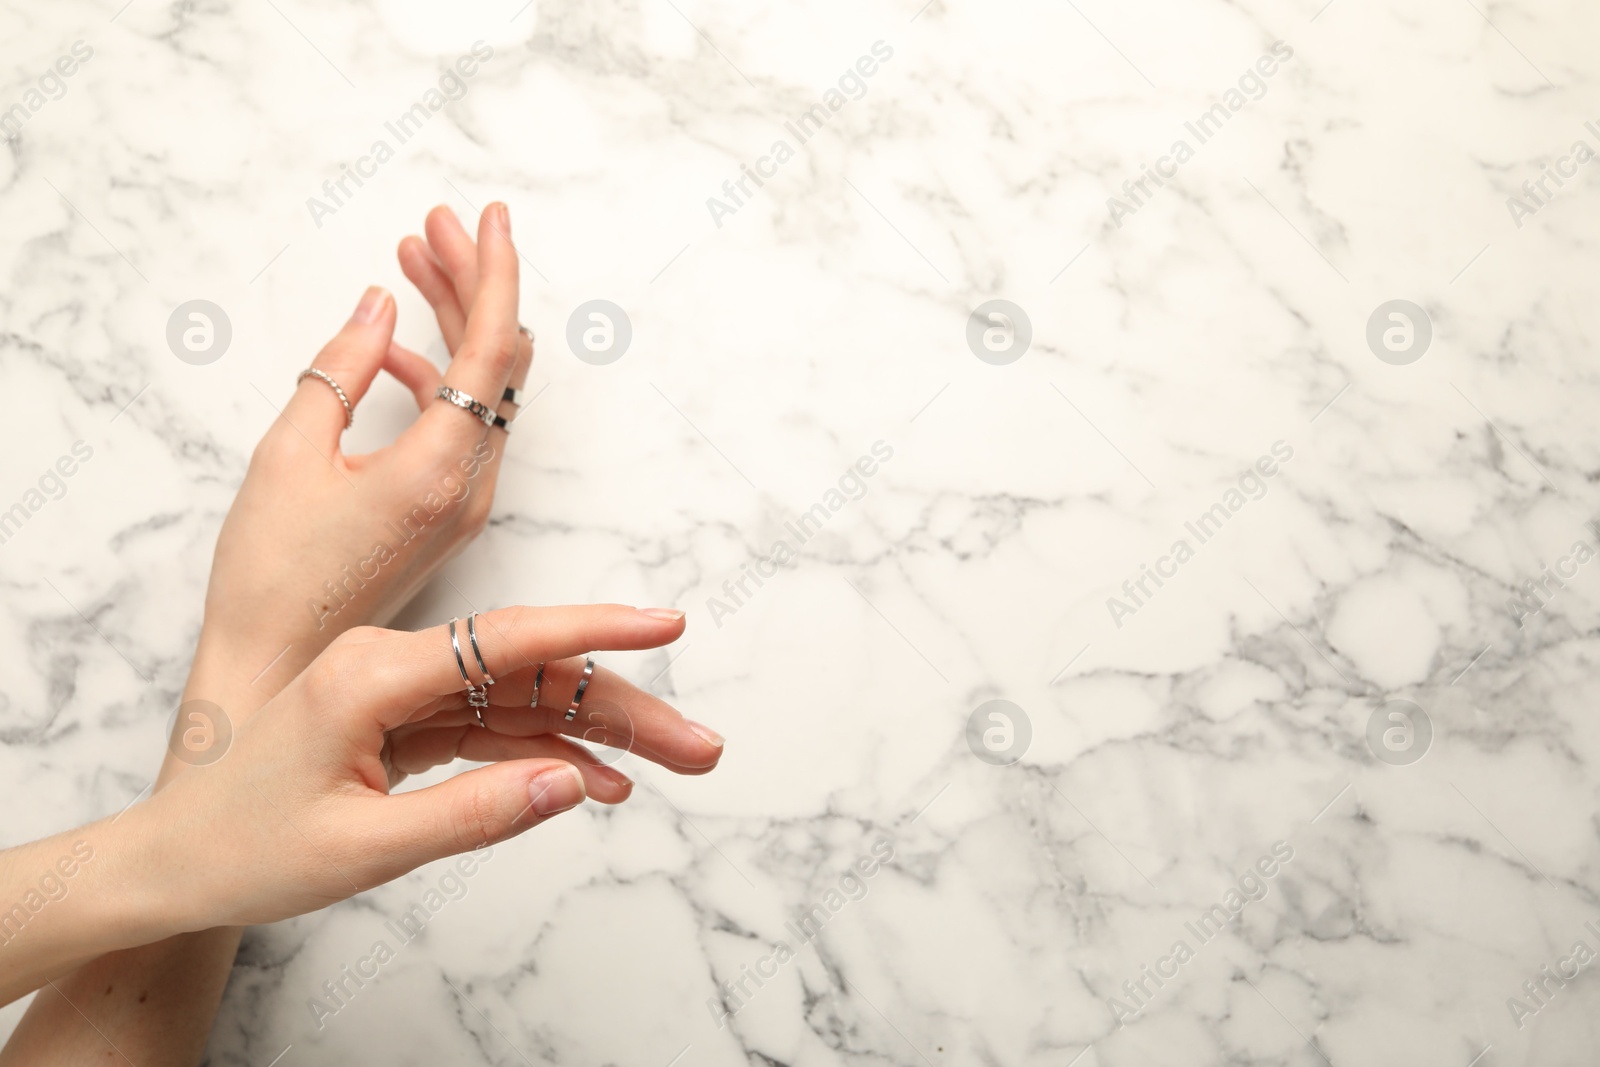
(583, 687)
(471, 405)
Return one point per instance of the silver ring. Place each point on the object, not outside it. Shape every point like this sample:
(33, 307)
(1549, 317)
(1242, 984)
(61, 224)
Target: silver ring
(476, 408)
(514, 396)
(538, 684)
(583, 684)
(477, 695)
(524, 331)
(472, 637)
(312, 372)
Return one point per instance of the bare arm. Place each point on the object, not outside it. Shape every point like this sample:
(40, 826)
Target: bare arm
(305, 518)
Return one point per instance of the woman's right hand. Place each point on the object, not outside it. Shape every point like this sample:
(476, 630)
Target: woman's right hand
(298, 815)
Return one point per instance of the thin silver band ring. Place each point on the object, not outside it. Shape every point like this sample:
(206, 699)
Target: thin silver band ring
(583, 685)
(472, 637)
(477, 695)
(538, 684)
(518, 396)
(323, 376)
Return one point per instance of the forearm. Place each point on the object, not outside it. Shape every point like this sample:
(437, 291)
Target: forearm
(152, 1003)
(69, 898)
(148, 1005)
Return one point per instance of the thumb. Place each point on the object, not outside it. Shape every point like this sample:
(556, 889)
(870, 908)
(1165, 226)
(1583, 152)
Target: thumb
(480, 807)
(352, 359)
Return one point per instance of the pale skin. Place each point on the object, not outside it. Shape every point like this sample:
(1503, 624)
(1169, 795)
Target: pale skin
(328, 711)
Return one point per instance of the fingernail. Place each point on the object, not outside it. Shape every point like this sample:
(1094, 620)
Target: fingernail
(664, 614)
(502, 218)
(707, 734)
(371, 303)
(617, 777)
(556, 790)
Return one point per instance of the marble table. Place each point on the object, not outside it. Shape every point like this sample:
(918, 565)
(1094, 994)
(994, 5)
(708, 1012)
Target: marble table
(1126, 466)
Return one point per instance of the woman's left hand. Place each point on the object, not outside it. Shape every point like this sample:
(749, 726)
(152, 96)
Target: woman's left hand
(318, 541)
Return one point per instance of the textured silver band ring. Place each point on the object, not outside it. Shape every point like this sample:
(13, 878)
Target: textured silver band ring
(323, 376)
(583, 686)
(477, 695)
(476, 408)
(538, 684)
(477, 653)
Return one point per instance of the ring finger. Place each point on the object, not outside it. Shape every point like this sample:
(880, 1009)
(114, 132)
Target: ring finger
(614, 713)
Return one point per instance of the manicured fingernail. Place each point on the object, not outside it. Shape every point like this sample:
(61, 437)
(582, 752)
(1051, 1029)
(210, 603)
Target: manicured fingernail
(501, 215)
(664, 614)
(707, 734)
(371, 303)
(557, 790)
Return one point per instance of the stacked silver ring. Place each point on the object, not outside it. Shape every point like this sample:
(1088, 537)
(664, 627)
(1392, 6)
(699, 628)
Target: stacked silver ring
(477, 692)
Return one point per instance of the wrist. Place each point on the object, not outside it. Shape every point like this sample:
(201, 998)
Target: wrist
(250, 668)
(69, 898)
(221, 694)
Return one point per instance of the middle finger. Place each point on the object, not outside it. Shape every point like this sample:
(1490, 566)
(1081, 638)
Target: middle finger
(614, 712)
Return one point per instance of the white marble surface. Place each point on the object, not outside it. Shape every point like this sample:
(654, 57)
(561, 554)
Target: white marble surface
(827, 313)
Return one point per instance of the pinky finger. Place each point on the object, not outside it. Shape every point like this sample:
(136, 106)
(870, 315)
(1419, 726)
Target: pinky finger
(414, 372)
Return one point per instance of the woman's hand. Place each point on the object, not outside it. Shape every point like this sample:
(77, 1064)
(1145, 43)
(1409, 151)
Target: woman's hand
(298, 813)
(318, 541)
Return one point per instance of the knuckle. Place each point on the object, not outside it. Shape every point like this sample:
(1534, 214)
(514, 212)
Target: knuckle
(356, 635)
(272, 453)
(477, 820)
(324, 678)
(500, 352)
(336, 670)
